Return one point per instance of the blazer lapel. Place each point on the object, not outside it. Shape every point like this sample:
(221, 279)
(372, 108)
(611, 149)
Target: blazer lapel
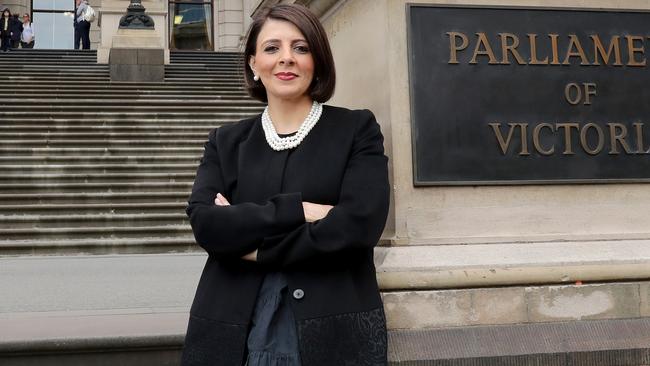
(260, 168)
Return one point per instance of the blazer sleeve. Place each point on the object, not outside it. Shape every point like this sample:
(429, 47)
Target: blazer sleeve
(237, 229)
(359, 217)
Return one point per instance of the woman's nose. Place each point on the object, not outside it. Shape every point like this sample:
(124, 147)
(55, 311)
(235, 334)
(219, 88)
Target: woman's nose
(286, 57)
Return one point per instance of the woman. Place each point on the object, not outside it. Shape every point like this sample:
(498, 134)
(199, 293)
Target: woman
(289, 205)
(27, 36)
(5, 30)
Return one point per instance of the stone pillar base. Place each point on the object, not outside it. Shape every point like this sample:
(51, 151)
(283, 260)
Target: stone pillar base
(137, 64)
(136, 55)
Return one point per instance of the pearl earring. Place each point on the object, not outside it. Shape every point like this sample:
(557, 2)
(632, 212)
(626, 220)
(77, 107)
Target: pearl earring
(256, 77)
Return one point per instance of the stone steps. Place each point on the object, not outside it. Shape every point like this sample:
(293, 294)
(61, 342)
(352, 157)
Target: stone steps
(225, 105)
(25, 177)
(90, 166)
(91, 124)
(75, 221)
(105, 84)
(96, 188)
(101, 76)
(233, 72)
(92, 208)
(98, 159)
(105, 143)
(229, 68)
(126, 114)
(41, 128)
(114, 94)
(56, 77)
(114, 121)
(67, 85)
(99, 167)
(55, 64)
(20, 58)
(96, 245)
(54, 196)
(93, 166)
(9, 68)
(131, 110)
(84, 231)
(21, 151)
(100, 135)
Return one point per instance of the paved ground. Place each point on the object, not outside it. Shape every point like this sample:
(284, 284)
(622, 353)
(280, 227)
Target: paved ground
(69, 296)
(91, 283)
(68, 304)
(112, 295)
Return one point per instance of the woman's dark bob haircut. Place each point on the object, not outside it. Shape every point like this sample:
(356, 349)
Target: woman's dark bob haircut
(322, 85)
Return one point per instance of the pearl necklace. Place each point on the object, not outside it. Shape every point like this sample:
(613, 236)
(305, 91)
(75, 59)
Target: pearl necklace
(278, 143)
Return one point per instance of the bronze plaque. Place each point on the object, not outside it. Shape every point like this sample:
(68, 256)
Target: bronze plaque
(527, 96)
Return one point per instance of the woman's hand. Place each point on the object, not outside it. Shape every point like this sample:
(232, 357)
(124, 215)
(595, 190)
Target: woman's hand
(252, 256)
(315, 211)
(220, 200)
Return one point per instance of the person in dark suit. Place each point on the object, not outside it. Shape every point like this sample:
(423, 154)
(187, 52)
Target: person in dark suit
(289, 206)
(81, 26)
(5, 30)
(16, 30)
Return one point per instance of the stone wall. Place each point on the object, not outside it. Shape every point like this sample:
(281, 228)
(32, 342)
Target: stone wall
(467, 255)
(369, 43)
(95, 30)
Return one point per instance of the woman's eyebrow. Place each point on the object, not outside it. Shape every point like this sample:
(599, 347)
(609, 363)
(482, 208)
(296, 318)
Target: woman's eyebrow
(274, 40)
(270, 41)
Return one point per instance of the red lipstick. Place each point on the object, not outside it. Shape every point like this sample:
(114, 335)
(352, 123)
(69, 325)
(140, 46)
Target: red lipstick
(286, 76)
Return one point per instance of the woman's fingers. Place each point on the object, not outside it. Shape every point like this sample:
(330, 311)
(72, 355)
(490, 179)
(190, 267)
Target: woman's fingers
(220, 200)
(315, 211)
(252, 256)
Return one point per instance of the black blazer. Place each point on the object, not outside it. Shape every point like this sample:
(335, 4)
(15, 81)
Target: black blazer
(341, 162)
(16, 29)
(8, 22)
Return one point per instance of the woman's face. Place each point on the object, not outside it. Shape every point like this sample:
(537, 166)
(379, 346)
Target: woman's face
(6, 14)
(283, 60)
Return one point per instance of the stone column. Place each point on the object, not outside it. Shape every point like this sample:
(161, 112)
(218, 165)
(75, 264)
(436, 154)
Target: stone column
(230, 25)
(109, 18)
(16, 6)
(136, 53)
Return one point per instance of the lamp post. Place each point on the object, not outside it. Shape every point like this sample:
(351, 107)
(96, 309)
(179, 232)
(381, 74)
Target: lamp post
(135, 17)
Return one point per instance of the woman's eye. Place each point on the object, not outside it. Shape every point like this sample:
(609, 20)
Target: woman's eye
(270, 49)
(302, 49)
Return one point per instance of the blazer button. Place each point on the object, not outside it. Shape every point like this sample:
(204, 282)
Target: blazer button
(298, 294)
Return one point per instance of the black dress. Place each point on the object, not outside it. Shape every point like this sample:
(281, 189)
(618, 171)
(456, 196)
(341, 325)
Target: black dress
(272, 340)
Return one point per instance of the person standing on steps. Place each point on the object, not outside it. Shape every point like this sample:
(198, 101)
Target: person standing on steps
(289, 205)
(5, 30)
(27, 36)
(81, 26)
(16, 31)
